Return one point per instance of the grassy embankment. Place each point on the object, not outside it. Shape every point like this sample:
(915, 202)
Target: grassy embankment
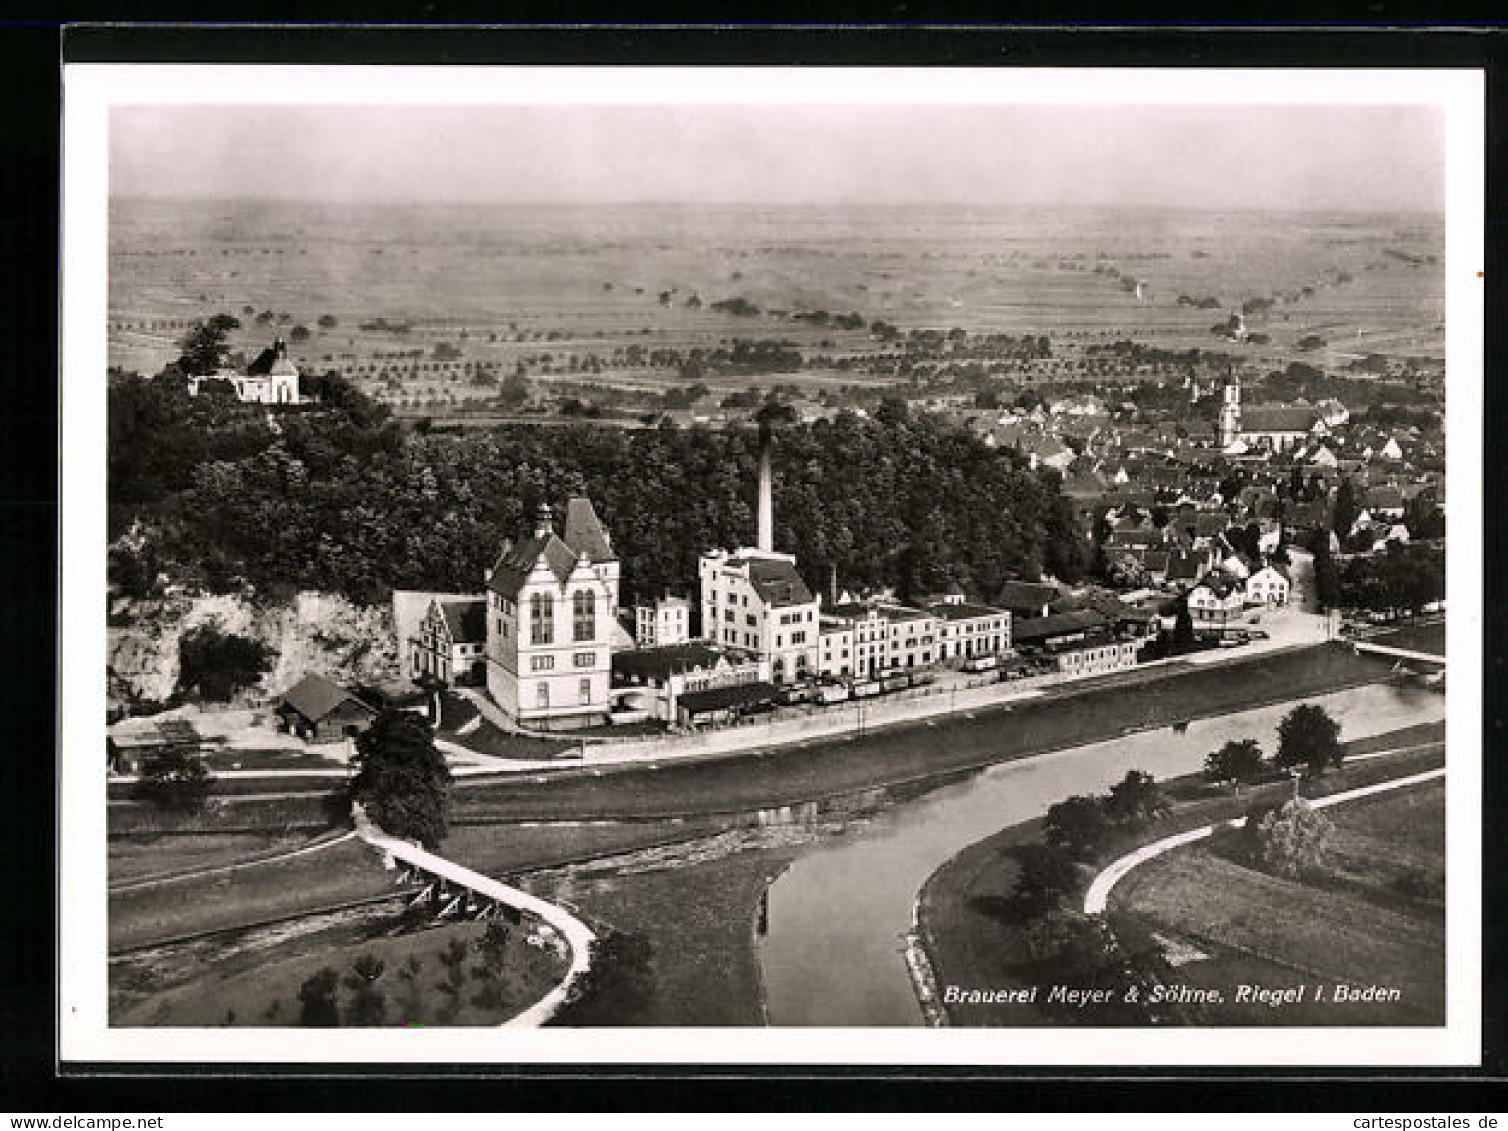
(829, 767)
(974, 935)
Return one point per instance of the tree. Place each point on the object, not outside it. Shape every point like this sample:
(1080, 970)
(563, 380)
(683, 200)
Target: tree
(1078, 824)
(1239, 760)
(175, 779)
(413, 1002)
(205, 346)
(317, 1005)
(1308, 737)
(401, 779)
(299, 333)
(1346, 508)
(1183, 626)
(368, 1003)
(1292, 841)
(216, 664)
(328, 322)
(453, 958)
(1135, 800)
(1045, 873)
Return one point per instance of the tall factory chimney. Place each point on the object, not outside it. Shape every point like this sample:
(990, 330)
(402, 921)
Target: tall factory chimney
(766, 539)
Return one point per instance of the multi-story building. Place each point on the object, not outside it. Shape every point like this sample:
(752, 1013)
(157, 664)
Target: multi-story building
(551, 606)
(966, 630)
(1216, 601)
(667, 621)
(886, 637)
(451, 643)
(754, 600)
(837, 649)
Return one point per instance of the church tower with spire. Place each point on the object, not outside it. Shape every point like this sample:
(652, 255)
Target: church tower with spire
(1230, 410)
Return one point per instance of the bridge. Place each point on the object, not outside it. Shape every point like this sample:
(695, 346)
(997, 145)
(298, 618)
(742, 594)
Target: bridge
(458, 892)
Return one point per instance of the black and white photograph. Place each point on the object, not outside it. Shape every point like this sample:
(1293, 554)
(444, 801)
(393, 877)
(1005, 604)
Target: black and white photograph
(965, 559)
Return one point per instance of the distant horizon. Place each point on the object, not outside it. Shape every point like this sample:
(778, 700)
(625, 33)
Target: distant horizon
(1058, 205)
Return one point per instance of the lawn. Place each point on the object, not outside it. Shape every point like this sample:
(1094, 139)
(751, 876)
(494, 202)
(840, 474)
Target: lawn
(134, 858)
(262, 988)
(275, 759)
(973, 936)
(699, 921)
(1356, 926)
(488, 738)
(1428, 638)
(342, 873)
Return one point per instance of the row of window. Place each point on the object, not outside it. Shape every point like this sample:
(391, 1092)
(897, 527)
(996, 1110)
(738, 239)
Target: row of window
(542, 617)
(547, 663)
(583, 694)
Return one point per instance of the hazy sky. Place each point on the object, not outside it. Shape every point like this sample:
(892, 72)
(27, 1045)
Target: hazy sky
(1323, 157)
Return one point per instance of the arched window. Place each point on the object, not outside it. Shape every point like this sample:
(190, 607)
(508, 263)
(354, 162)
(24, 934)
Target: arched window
(541, 619)
(584, 616)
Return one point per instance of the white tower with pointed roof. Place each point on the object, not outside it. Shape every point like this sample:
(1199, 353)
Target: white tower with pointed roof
(551, 604)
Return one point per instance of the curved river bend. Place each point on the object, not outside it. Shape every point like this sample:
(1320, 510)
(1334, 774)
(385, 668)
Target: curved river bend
(834, 926)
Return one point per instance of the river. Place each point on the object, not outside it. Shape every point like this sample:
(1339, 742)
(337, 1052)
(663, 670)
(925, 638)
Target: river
(834, 925)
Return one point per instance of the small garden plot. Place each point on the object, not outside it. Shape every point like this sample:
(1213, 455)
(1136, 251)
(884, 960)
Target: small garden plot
(460, 974)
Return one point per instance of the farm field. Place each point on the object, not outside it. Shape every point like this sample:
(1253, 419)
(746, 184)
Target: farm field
(582, 295)
(1377, 918)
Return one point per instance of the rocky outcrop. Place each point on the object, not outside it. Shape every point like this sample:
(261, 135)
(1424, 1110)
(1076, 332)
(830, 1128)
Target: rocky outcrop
(315, 632)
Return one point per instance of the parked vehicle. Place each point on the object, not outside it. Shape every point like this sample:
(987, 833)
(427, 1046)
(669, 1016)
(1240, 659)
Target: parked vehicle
(865, 688)
(981, 664)
(833, 693)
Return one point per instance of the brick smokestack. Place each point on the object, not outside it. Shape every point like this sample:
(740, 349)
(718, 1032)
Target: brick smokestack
(766, 538)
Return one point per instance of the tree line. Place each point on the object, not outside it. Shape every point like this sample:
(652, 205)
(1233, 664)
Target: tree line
(225, 497)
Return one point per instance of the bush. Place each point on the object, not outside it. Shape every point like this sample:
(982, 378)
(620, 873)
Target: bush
(317, 1004)
(1292, 840)
(175, 779)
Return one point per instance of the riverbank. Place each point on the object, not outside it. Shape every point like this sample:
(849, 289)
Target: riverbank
(919, 750)
(967, 920)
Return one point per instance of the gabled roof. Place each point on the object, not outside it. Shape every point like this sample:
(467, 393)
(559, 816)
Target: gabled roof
(516, 562)
(1057, 624)
(584, 533)
(315, 697)
(1182, 566)
(661, 663)
(1026, 595)
(466, 619)
(778, 583)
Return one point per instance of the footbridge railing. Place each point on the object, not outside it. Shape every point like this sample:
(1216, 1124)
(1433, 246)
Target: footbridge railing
(461, 891)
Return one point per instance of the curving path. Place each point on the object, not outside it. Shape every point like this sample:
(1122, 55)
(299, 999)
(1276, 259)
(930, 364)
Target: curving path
(319, 844)
(578, 935)
(1098, 895)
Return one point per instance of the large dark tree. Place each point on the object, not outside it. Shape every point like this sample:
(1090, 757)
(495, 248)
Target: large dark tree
(1045, 873)
(175, 779)
(216, 664)
(1308, 737)
(1135, 800)
(205, 346)
(401, 779)
(1239, 760)
(1078, 824)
